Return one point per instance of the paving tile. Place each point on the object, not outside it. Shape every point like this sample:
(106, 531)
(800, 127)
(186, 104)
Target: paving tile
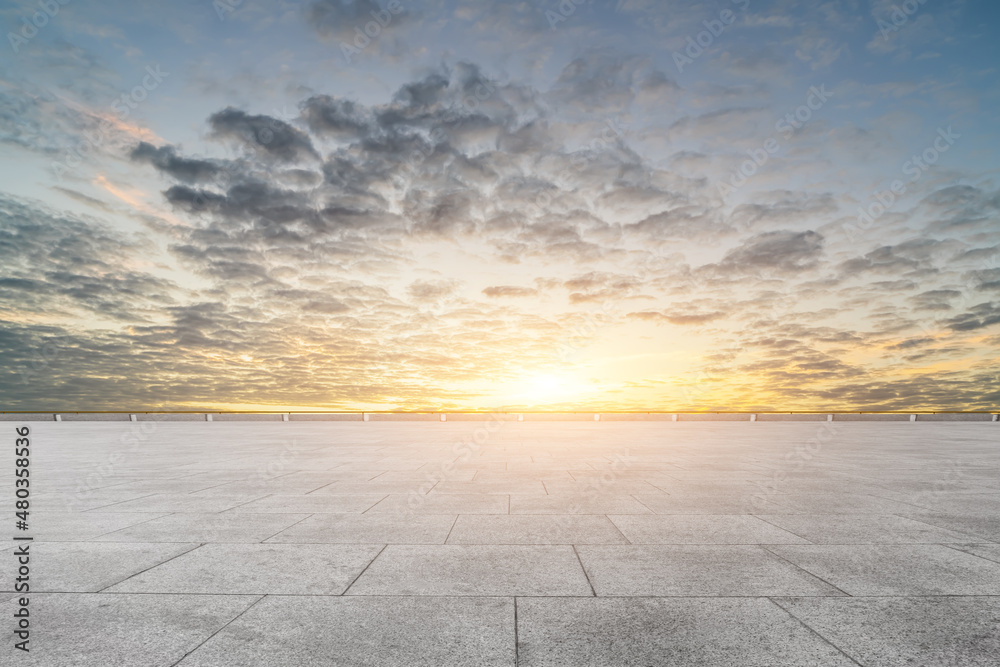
(896, 569)
(577, 503)
(918, 631)
(75, 500)
(987, 551)
(715, 570)
(369, 529)
(473, 570)
(617, 487)
(366, 632)
(98, 629)
(442, 504)
(73, 526)
(259, 488)
(701, 529)
(205, 528)
(987, 527)
(969, 504)
(452, 475)
(535, 529)
(300, 504)
(176, 502)
(272, 569)
(64, 567)
(736, 503)
(599, 632)
(344, 488)
(902, 510)
(490, 488)
(828, 503)
(176, 485)
(863, 529)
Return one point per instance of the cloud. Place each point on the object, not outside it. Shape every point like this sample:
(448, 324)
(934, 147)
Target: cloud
(340, 18)
(509, 291)
(166, 160)
(779, 251)
(59, 265)
(979, 316)
(677, 318)
(275, 137)
(934, 299)
(424, 290)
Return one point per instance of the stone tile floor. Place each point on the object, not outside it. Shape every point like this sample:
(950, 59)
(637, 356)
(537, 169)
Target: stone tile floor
(517, 543)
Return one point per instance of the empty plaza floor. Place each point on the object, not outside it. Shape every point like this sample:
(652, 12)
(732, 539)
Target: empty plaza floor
(502, 543)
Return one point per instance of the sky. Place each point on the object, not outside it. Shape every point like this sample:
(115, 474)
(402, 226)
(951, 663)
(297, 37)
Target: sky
(621, 205)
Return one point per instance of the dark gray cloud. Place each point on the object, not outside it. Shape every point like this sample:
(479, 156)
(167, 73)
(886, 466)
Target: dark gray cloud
(58, 264)
(939, 299)
(977, 317)
(341, 118)
(166, 160)
(274, 137)
(779, 251)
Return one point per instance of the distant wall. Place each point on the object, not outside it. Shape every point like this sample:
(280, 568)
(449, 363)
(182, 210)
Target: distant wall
(505, 416)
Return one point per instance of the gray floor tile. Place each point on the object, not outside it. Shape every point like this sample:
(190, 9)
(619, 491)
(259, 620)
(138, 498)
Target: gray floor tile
(192, 527)
(863, 529)
(987, 551)
(175, 502)
(893, 632)
(366, 632)
(737, 503)
(986, 527)
(910, 569)
(701, 529)
(74, 526)
(600, 632)
(473, 570)
(442, 504)
(577, 503)
(525, 487)
(927, 491)
(716, 570)
(97, 630)
(301, 504)
(618, 487)
(64, 567)
(828, 503)
(369, 529)
(272, 569)
(535, 529)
